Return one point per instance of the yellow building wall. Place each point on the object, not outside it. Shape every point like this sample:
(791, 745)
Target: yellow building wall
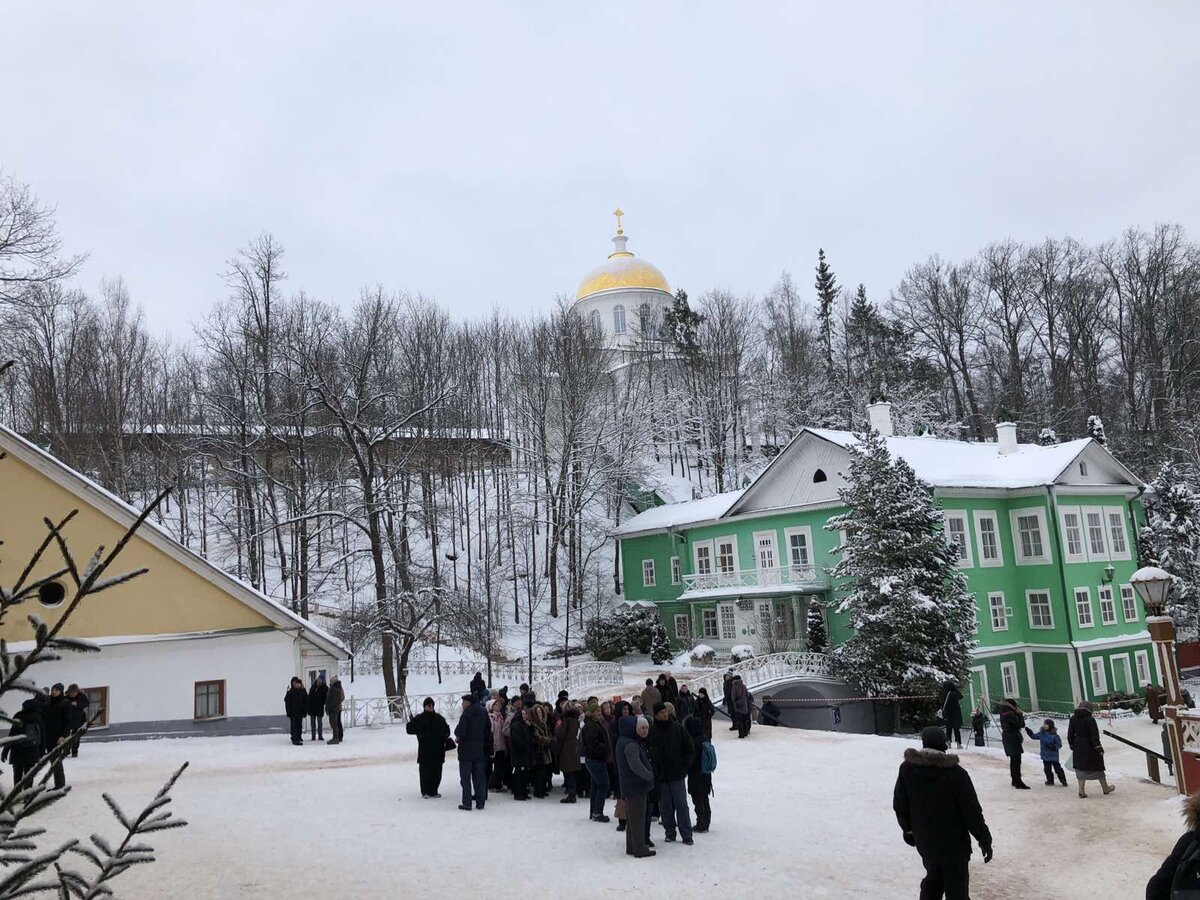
(169, 599)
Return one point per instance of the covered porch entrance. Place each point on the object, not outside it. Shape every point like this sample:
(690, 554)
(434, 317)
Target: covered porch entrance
(770, 624)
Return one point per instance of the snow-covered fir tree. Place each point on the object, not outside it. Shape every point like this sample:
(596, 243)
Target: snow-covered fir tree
(1095, 429)
(818, 639)
(1170, 539)
(912, 616)
(1047, 437)
(660, 645)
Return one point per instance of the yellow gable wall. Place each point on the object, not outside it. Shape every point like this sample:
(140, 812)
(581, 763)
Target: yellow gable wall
(170, 598)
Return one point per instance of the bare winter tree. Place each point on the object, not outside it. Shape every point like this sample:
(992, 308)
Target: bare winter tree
(30, 248)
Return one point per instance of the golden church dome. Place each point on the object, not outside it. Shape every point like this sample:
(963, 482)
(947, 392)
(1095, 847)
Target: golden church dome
(622, 270)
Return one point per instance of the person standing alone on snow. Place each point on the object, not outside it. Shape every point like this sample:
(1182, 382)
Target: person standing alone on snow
(1051, 743)
(333, 708)
(432, 736)
(952, 713)
(473, 734)
(1083, 737)
(316, 709)
(938, 811)
(295, 703)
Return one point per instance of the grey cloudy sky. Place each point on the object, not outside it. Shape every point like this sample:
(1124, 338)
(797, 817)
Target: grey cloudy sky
(472, 152)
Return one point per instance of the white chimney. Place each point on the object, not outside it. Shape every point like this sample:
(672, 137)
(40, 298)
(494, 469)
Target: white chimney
(1006, 437)
(880, 416)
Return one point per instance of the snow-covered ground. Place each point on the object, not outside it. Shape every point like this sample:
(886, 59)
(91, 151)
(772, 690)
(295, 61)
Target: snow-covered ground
(796, 814)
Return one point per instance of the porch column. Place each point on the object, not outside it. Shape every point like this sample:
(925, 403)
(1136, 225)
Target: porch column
(800, 613)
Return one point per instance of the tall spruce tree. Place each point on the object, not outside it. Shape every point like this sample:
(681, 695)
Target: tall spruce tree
(827, 291)
(1170, 539)
(912, 616)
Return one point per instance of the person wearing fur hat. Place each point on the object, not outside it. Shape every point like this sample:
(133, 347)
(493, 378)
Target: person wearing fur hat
(938, 811)
(432, 733)
(1174, 876)
(1083, 737)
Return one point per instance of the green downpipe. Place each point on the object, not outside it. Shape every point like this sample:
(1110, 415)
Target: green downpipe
(1066, 593)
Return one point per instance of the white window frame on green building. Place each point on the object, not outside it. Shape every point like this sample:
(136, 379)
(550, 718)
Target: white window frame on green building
(1108, 604)
(1095, 533)
(1049, 609)
(1129, 606)
(960, 533)
(1071, 525)
(1083, 605)
(997, 546)
(1008, 679)
(726, 622)
(1114, 530)
(710, 624)
(999, 622)
(1141, 661)
(806, 545)
(1096, 667)
(683, 633)
(676, 572)
(648, 579)
(1038, 514)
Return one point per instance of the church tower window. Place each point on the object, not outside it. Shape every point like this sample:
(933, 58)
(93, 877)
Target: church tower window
(597, 328)
(619, 319)
(644, 319)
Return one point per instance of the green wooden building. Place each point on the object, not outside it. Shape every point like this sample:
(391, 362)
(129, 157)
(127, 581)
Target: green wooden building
(1046, 537)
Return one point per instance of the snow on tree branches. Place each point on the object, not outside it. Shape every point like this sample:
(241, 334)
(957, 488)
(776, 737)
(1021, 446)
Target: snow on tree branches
(912, 616)
(1170, 539)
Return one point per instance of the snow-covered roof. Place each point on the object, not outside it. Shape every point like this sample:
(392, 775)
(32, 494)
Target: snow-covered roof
(945, 463)
(670, 515)
(112, 505)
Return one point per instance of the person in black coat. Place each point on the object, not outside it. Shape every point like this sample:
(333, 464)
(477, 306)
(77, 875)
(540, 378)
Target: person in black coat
(295, 704)
(520, 751)
(77, 715)
(1161, 882)
(671, 751)
(938, 811)
(56, 714)
(1083, 737)
(29, 724)
(473, 733)
(769, 714)
(1012, 733)
(705, 711)
(952, 712)
(699, 782)
(729, 701)
(316, 709)
(432, 734)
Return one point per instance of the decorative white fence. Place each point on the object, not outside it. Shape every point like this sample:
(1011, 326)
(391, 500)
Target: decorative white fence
(761, 669)
(574, 678)
(778, 576)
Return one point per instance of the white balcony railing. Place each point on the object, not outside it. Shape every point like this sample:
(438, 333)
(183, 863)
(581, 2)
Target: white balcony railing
(800, 577)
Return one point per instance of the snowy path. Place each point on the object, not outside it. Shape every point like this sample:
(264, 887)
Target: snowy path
(797, 814)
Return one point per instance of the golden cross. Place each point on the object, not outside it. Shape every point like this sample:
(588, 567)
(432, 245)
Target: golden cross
(618, 213)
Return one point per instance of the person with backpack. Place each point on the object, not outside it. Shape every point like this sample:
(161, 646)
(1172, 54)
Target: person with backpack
(316, 709)
(1179, 875)
(938, 812)
(699, 778)
(295, 704)
(1051, 743)
(31, 728)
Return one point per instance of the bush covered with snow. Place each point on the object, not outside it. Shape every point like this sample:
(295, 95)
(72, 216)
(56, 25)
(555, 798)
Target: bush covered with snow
(703, 655)
(741, 652)
(629, 629)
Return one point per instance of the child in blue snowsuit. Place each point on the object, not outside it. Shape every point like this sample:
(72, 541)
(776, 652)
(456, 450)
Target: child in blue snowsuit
(1051, 743)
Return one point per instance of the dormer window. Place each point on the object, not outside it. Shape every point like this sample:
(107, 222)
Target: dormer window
(819, 476)
(1083, 469)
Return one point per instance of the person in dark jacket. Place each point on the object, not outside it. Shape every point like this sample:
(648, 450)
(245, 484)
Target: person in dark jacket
(979, 721)
(596, 752)
(56, 714)
(479, 689)
(938, 811)
(705, 711)
(432, 733)
(952, 712)
(739, 695)
(769, 714)
(316, 709)
(24, 754)
(685, 703)
(699, 783)
(566, 740)
(1012, 727)
(333, 708)
(543, 750)
(637, 780)
(520, 751)
(728, 688)
(472, 733)
(295, 703)
(671, 751)
(1153, 702)
(77, 715)
(1083, 737)
(1161, 882)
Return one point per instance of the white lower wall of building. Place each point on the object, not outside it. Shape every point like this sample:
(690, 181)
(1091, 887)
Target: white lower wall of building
(154, 681)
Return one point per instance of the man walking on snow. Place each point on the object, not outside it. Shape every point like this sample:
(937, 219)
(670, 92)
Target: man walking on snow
(938, 811)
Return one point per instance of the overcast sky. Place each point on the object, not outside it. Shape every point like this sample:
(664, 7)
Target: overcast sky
(473, 152)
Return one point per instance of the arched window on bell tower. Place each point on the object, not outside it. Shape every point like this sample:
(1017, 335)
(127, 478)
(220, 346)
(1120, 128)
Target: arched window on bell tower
(644, 320)
(618, 319)
(597, 328)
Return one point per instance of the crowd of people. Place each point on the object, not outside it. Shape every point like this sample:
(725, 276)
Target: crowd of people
(314, 704)
(45, 721)
(651, 754)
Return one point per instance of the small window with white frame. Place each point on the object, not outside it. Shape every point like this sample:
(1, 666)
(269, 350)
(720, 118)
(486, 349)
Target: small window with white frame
(1129, 603)
(799, 547)
(647, 573)
(1099, 676)
(1029, 536)
(1108, 609)
(683, 627)
(702, 557)
(708, 623)
(728, 622)
(1008, 679)
(1071, 523)
(1142, 660)
(998, 611)
(1041, 614)
(618, 319)
(987, 536)
(1097, 545)
(1083, 607)
(956, 535)
(1118, 541)
(676, 573)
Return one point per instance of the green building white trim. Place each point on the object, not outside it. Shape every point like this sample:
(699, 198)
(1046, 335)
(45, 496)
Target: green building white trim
(1048, 537)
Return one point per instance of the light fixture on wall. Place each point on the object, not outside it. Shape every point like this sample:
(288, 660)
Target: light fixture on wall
(1109, 571)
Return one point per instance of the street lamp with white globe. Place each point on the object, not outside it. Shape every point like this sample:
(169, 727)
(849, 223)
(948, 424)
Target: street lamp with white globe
(1152, 585)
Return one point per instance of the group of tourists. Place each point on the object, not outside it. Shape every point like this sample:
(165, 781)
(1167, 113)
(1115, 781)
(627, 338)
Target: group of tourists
(1083, 741)
(45, 721)
(650, 753)
(314, 704)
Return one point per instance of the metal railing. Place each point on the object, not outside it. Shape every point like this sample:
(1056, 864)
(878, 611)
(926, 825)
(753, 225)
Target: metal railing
(574, 678)
(1152, 756)
(779, 576)
(761, 669)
